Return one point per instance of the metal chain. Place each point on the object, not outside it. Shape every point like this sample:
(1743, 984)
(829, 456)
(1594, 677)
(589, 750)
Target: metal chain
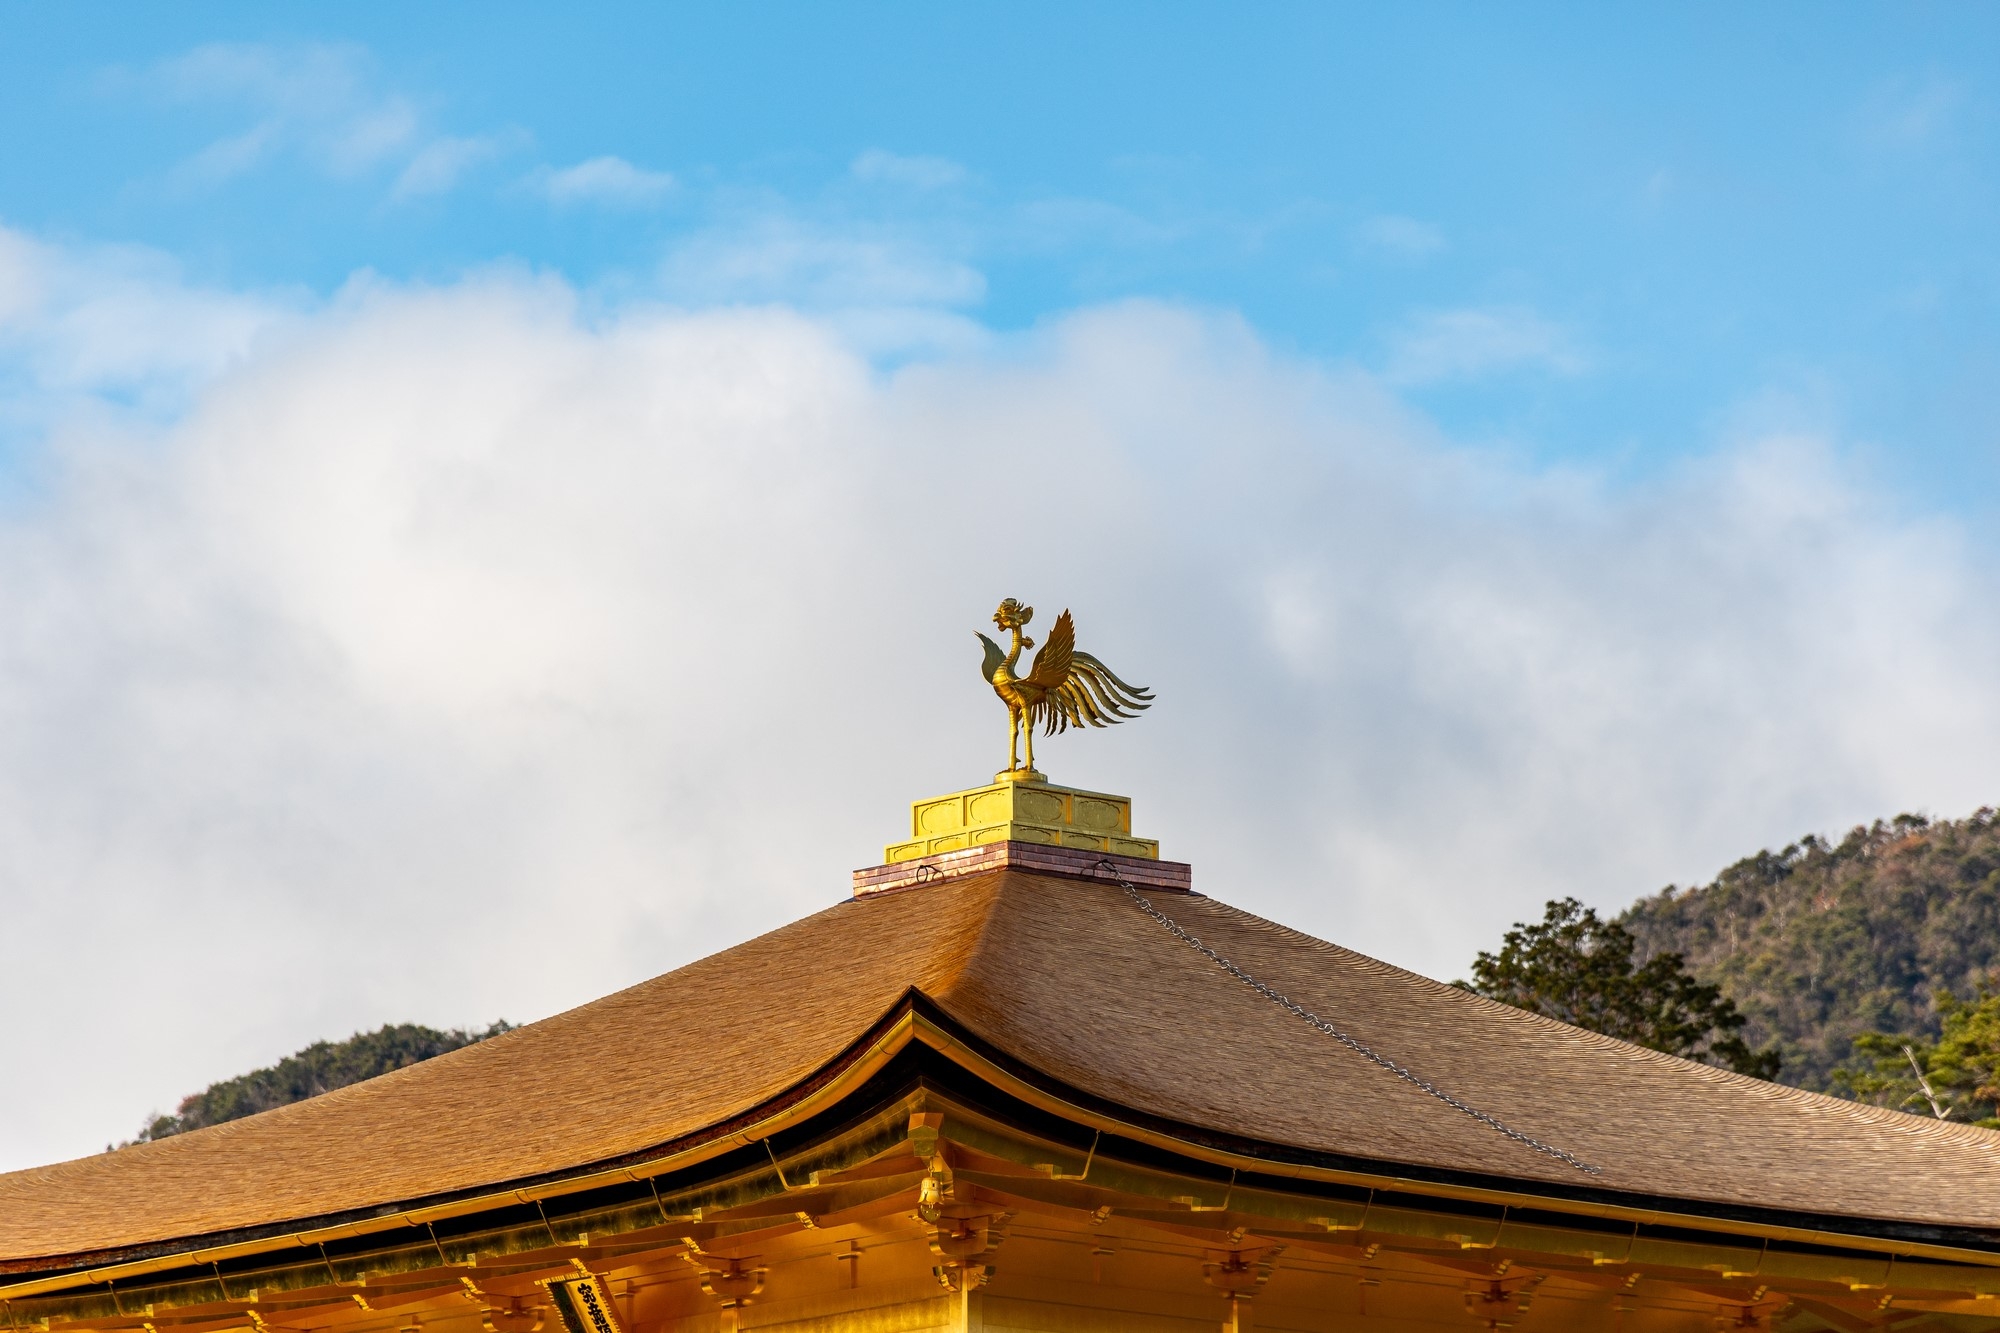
(1276, 997)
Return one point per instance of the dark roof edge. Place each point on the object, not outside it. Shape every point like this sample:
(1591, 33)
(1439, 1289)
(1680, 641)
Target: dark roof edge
(916, 1010)
(1443, 1178)
(503, 1192)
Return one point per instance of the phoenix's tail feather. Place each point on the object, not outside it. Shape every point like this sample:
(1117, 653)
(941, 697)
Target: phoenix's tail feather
(1091, 695)
(994, 657)
(1136, 696)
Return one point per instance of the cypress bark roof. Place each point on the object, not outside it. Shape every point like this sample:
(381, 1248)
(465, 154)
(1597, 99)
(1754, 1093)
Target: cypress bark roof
(1073, 981)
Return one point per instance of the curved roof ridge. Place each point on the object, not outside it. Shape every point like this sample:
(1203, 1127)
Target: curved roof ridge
(1070, 979)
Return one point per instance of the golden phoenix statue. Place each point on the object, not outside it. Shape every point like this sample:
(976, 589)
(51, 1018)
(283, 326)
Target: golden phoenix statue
(1066, 687)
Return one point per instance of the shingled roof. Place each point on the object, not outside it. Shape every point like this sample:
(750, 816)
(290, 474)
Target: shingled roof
(1069, 984)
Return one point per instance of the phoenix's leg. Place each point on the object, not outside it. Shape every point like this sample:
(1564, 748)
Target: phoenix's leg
(1028, 730)
(1013, 740)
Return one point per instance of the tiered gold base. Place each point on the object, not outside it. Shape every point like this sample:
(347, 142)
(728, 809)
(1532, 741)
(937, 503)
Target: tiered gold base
(1022, 806)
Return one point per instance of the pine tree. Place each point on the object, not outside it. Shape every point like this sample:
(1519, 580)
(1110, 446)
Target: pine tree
(1577, 968)
(1955, 1077)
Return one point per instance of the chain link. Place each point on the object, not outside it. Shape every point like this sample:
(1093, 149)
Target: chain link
(1359, 1048)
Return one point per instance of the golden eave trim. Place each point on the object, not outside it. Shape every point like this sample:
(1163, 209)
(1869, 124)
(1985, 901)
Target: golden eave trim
(878, 1053)
(911, 1025)
(949, 1045)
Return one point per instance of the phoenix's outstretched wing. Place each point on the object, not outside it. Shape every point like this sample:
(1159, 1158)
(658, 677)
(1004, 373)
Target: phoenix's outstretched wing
(1051, 667)
(1080, 690)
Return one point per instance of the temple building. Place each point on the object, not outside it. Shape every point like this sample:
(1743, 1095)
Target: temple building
(1023, 1076)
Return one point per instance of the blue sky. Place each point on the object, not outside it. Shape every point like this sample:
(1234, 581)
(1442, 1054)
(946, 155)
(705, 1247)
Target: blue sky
(471, 469)
(1586, 233)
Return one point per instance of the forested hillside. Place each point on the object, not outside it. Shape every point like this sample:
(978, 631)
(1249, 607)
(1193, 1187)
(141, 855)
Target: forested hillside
(320, 1067)
(1821, 942)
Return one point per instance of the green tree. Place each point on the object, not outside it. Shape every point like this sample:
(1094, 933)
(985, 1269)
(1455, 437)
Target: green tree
(1956, 1077)
(320, 1067)
(1575, 967)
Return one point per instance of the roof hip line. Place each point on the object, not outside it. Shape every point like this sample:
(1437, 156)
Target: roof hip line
(1360, 1048)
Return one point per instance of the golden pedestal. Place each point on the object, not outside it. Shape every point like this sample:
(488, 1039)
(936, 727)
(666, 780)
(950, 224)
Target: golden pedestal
(1020, 808)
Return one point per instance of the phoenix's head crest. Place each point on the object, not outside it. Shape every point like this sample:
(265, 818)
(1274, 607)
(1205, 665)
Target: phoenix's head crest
(1012, 615)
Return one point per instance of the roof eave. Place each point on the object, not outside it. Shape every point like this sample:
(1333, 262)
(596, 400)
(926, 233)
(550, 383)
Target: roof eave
(916, 1018)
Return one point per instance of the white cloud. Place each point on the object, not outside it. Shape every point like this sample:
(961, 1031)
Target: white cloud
(231, 156)
(776, 258)
(1446, 345)
(452, 613)
(1400, 237)
(880, 166)
(603, 180)
(374, 132)
(440, 164)
(312, 80)
(318, 102)
(112, 324)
